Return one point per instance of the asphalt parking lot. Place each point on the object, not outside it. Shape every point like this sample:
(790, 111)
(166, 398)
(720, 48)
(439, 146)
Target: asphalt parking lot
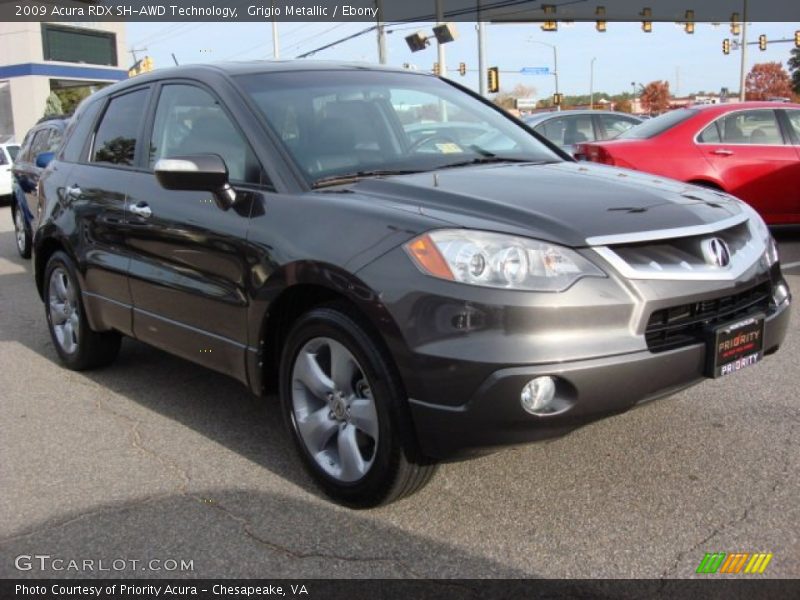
(158, 459)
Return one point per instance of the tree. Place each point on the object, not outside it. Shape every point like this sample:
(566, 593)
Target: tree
(768, 80)
(71, 97)
(794, 68)
(655, 97)
(508, 99)
(53, 106)
(624, 105)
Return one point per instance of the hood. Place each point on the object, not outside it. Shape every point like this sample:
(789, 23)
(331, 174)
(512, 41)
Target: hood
(564, 203)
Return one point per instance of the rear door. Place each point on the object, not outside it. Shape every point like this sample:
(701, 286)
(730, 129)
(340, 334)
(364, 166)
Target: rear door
(188, 273)
(755, 161)
(97, 189)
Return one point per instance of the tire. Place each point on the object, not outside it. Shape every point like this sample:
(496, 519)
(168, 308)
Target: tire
(22, 233)
(352, 428)
(78, 346)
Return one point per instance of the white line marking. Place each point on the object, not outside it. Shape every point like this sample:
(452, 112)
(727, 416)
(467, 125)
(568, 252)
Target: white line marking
(790, 265)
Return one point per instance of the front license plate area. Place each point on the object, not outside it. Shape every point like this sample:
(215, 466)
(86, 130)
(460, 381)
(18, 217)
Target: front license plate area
(734, 346)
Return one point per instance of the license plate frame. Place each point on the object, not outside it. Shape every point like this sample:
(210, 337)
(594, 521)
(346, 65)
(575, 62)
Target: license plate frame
(734, 345)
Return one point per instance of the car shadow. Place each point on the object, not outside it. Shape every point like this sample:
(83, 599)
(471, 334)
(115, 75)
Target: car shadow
(233, 534)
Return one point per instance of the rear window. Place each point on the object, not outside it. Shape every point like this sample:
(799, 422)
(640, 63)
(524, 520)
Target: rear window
(653, 127)
(115, 141)
(78, 130)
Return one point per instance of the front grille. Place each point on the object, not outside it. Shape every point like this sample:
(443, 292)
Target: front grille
(678, 326)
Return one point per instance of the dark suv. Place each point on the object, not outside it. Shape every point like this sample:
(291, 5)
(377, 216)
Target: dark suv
(411, 298)
(34, 155)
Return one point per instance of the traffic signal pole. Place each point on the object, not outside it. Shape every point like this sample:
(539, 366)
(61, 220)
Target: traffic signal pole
(482, 57)
(743, 74)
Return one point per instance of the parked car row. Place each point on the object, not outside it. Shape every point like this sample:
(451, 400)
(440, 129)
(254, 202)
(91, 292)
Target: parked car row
(415, 290)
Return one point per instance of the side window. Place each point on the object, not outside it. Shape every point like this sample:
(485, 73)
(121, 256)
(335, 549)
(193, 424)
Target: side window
(710, 135)
(40, 143)
(115, 140)
(615, 125)
(753, 127)
(3, 159)
(190, 121)
(794, 120)
(79, 130)
(54, 142)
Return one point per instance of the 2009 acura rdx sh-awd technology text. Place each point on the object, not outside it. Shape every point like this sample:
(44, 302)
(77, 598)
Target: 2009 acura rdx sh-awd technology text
(410, 300)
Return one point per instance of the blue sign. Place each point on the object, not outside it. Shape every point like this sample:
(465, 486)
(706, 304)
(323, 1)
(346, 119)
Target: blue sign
(535, 70)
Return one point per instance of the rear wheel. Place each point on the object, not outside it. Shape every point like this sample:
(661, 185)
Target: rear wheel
(22, 233)
(78, 346)
(346, 411)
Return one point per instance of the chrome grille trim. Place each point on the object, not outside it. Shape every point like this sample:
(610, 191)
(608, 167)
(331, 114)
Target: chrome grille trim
(677, 259)
(665, 234)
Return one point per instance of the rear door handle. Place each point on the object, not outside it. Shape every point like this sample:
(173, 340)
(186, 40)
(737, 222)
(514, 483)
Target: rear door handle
(723, 152)
(141, 209)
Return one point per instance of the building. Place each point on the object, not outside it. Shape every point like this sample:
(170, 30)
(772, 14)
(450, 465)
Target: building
(39, 58)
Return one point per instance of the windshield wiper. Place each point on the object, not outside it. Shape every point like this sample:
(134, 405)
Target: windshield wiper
(358, 175)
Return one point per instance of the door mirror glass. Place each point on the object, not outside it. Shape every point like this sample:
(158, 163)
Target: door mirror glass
(198, 173)
(44, 159)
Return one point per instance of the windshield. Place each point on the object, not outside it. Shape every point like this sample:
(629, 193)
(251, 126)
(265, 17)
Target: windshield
(12, 152)
(361, 123)
(653, 127)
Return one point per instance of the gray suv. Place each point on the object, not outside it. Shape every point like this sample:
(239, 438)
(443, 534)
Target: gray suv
(411, 298)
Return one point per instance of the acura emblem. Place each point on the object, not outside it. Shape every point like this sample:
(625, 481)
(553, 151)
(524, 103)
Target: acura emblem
(716, 252)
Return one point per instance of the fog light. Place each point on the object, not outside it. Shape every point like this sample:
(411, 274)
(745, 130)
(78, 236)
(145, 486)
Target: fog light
(781, 294)
(538, 394)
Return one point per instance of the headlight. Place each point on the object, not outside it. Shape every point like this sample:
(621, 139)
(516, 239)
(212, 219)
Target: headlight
(499, 261)
(759, 230)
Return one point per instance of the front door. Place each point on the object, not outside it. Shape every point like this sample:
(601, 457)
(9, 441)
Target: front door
(189, 257)
(755, 162)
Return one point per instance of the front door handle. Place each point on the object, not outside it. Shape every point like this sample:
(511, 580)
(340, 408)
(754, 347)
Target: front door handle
(723, 152)
(141, 209)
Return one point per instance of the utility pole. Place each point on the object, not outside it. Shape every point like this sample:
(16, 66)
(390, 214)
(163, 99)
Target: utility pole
(555, 73)
(482, 57)
(743, 74)
(440, 21)
(381, 33)
(591, 84)
(276, 49)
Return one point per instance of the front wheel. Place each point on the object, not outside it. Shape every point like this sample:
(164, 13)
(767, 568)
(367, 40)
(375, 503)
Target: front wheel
(346, 411)
(78, 346)
(22, 233)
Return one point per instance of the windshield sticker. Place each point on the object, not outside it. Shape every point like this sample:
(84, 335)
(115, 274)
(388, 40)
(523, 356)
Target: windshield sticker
(449, 148)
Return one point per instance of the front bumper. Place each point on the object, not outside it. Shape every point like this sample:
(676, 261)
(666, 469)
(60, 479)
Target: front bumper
(593, 389)
(465, 353)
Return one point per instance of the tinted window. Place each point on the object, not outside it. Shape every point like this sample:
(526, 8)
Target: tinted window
(12, 152)
(54, 142)
(568, 131)
(40, 143)
(115, 140)
(710, 135)
(653, 127)
(190, 121)
(346, 122)
(794, 119)
(616, 125)
(78, 130)
(756, 127)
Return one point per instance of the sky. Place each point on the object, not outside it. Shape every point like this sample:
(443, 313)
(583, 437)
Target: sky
(624, 54)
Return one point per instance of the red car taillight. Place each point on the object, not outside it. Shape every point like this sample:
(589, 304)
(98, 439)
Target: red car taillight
(600, 155)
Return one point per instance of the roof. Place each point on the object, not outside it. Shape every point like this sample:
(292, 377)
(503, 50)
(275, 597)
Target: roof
(563, 113)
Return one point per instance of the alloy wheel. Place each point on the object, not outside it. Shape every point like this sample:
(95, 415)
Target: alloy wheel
(64, 310)
(334, 412)
(19, 227)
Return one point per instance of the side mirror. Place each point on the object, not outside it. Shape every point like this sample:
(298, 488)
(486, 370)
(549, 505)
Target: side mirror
(197, 173)
(44, 159)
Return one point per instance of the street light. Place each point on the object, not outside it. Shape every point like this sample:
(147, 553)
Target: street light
(591, 84)
(555, 61)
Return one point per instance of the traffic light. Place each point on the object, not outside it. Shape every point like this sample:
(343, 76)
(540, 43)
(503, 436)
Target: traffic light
(735, 25)
(601, 19)
(494, 79)
(647, 24)
(436, 70)
(558, 99)
(726, 46)
(462, 69)
(797, 39)
(762, 42)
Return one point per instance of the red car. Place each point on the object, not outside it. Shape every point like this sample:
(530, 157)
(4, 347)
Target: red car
(750, 150)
